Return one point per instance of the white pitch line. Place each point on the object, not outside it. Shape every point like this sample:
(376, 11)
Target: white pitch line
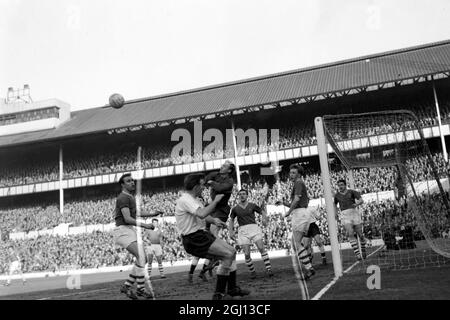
(353, 265)
(325, 289)
(329, 285)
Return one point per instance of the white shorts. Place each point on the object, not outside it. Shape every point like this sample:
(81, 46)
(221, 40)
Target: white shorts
(301, 219)
(154, 249)
(124, 236)
(248, 234)
(15, 266)
(351, 216)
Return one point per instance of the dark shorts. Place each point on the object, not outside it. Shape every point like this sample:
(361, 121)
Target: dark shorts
(313, 230)
(197, 244)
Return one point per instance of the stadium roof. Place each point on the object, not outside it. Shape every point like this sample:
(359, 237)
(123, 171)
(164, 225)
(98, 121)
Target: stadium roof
(322, 80)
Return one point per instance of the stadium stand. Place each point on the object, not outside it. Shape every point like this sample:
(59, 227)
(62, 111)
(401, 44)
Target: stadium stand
(98, 210)
(102, 160)
(94, 250)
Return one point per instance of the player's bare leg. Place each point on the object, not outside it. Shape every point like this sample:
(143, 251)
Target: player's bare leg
(160, 267)
(349, 228)
(265, 256)
(362, 239)
(248, 260)
(206, 267)
(226, 273)
(303, 254)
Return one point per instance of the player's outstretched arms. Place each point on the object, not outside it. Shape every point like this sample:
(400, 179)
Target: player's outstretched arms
(202, 213)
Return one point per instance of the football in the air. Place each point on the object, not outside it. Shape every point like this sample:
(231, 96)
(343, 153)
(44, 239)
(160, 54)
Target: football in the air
(116, 101)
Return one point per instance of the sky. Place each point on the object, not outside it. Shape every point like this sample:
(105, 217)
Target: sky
(82, 51)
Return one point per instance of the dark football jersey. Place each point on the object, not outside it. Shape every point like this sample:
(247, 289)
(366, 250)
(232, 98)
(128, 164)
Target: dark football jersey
(346, 200)
(124, 201)
(300, 190)
(223, 185)
(245, 215)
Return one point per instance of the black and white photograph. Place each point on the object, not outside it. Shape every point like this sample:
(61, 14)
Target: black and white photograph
(258, 152)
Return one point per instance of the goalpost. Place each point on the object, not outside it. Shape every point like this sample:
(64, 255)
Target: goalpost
(328, 195)
(409, 226)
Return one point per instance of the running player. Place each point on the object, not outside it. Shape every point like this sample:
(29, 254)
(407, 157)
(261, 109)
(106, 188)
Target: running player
(314, 233)
(348, 201)
(154, 249)
(14, 266)
(191, 217)
(249, 232)
(125, 236)
(301, 216)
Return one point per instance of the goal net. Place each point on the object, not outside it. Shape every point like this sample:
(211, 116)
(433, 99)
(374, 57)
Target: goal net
(405, 214)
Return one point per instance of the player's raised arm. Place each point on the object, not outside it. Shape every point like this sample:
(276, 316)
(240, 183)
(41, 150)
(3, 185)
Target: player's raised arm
(206, 211)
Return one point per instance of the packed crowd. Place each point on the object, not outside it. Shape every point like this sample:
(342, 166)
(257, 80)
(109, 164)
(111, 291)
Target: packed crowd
(99, 210)
(95, 250)
(95, 162)
(19, 172)
(82, 251)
